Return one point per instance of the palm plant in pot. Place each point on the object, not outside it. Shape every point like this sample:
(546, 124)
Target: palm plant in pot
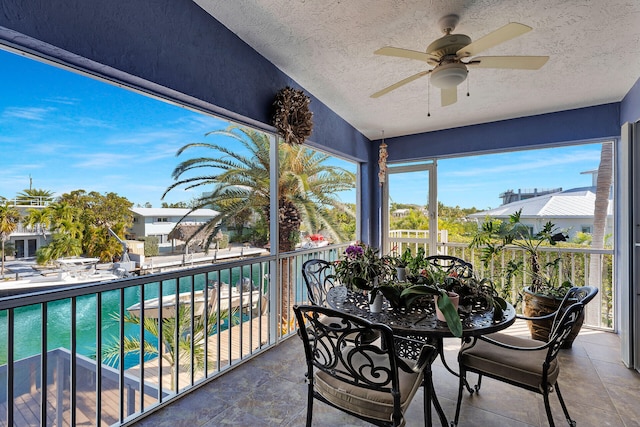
(546, 289)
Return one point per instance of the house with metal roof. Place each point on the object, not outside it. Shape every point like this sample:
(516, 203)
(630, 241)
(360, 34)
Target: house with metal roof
(570, 210)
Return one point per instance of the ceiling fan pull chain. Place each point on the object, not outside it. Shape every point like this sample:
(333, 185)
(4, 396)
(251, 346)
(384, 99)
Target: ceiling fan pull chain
(468, 78)
(429, 96)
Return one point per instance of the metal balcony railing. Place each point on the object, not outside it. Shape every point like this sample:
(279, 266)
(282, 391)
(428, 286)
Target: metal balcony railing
(82, 355)
(581, 265)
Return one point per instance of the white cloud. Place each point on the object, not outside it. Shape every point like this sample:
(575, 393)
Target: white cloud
(27, 113)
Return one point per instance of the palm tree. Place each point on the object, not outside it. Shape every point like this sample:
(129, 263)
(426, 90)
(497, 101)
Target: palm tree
(9, 219)
(30, 195)
(39, 220)
(62, 245)
(176, 354)
(603, 188)
(307, 187)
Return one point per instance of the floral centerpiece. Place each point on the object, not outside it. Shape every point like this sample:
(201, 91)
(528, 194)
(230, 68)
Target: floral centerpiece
(362, 267)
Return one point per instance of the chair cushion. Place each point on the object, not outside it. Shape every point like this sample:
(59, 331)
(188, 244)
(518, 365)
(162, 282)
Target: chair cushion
(521, 367)
(366, 402)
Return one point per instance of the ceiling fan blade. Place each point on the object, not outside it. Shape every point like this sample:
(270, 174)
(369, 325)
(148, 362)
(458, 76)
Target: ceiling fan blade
(501, 35)
(400, 83)
(512, 62)
(448, 96)
(407, 53)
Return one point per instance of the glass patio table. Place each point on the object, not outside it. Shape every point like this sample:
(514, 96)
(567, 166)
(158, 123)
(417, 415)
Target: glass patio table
(421, 324)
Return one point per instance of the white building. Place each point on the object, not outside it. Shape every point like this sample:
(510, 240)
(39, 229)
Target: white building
(159, 222)
(571, 211)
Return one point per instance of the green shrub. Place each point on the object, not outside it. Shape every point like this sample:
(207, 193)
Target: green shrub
(151, 247)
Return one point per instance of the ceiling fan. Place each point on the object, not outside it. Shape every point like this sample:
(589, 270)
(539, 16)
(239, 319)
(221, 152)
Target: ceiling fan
(452, 55)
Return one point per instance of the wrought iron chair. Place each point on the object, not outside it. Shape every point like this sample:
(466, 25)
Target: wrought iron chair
(364, 379)
(319, 278)
(451, 264)
(523, 362)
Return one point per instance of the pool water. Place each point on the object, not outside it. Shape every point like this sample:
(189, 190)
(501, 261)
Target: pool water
(27, 325)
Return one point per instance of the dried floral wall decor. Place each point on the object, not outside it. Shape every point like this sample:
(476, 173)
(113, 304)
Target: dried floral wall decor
(291, 116)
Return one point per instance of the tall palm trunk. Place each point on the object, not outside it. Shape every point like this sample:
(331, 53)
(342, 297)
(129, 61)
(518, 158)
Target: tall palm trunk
(289, 223)
(603, 186)
(2, 269)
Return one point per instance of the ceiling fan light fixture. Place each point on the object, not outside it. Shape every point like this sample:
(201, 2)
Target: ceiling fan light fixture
(447, 76)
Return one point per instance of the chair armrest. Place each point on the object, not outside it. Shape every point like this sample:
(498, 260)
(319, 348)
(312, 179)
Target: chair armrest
(543, 346)
(546, 316)
(427, 355)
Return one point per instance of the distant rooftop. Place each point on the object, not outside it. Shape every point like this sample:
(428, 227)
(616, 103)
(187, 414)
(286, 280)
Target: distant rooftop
(572, 203)
(511, 196)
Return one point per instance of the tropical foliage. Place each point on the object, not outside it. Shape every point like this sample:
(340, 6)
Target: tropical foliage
(176, 353)
(34, 196)
(238, 184)
(9, 220)
(361, 266)
(79, 222)
(494, 236)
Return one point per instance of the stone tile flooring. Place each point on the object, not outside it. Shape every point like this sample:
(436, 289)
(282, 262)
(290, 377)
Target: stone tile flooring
(269, 390)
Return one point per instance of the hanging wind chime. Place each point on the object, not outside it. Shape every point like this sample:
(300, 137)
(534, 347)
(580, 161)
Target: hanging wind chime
(382, 161)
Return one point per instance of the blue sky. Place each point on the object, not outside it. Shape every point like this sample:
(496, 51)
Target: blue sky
(66, 131)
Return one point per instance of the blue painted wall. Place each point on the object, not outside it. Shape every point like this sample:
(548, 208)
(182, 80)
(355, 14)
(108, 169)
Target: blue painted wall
(630, 105)
(582, 124)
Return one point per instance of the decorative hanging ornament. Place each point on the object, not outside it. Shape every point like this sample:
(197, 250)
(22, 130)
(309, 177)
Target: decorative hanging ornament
(291, 116)
(382, 161)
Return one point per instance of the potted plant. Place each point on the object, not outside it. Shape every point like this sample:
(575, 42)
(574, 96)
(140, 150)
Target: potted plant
(546, 289)
(363, 268)
(400, 262)
(424, 279)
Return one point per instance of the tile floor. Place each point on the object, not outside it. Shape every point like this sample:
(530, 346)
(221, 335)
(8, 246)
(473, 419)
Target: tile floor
(269, 390)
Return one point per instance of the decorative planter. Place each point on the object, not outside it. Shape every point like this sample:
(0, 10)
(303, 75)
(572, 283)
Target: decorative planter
(376, 305)
(455, 300)
(540, 305)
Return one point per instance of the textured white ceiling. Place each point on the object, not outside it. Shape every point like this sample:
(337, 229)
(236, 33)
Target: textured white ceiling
(327, 47)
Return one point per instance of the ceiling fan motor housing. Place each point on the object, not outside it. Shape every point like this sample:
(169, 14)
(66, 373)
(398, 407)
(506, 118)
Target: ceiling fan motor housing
(448, 45)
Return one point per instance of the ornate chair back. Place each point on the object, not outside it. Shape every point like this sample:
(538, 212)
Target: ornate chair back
(349, 372)
(319, 277)
(451, 264)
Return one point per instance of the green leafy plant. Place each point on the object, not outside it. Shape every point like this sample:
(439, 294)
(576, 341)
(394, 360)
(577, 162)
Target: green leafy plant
(476, 294)
(495, 236)
(401, 260)
(443, 302)
(362, 267)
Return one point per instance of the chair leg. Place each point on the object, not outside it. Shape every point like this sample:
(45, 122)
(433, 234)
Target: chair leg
(462, 380)
(426, 401)
(571, 422)
(310, 404)
(478, 384)
(547, 407)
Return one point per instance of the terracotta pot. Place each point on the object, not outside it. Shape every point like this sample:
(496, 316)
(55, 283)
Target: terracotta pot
(455, 300)
(539, 305)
